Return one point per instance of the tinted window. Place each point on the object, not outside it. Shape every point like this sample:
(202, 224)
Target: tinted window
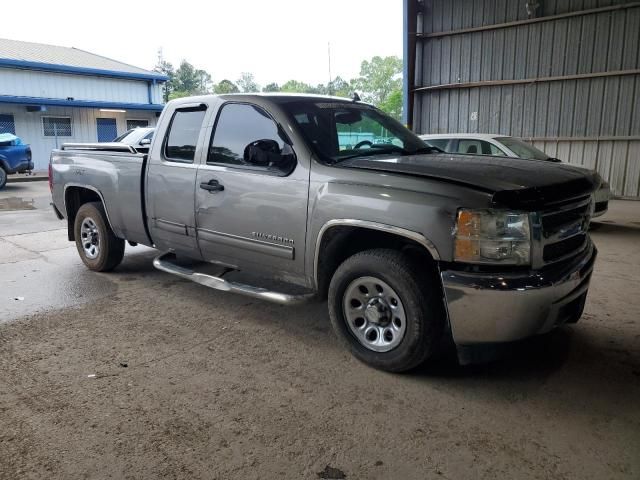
(183, 135)
(478, 147)
(441, 143)
(246, 136)
(522, 149)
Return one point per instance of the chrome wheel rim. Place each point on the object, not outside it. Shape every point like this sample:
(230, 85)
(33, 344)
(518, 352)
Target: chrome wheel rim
(374, 313)
(90, 238)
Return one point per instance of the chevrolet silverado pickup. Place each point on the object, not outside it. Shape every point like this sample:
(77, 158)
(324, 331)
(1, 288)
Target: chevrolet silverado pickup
(328, 198)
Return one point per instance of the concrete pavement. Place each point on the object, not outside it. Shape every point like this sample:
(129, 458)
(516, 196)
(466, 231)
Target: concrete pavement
(138, 374)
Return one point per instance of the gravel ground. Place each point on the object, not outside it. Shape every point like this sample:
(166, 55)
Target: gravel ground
(155, 377)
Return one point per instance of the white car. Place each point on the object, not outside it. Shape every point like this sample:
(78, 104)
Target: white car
(139, 138)
(505, 146)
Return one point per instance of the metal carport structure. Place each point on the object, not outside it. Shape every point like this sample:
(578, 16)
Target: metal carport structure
(563, 74)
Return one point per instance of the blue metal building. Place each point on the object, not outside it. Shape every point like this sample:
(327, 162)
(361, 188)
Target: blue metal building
(50, 95)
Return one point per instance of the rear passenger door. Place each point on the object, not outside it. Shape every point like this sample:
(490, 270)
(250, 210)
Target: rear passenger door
(251, 195)
(171, 180)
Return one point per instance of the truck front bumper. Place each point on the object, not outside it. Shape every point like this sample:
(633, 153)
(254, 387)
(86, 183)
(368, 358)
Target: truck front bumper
(496, 308)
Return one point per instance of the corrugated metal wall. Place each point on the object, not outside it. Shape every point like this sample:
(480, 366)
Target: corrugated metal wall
(566, 76)
(28, 126)
(33, 83)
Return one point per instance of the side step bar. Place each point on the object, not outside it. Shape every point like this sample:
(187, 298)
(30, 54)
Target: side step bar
(163, 262)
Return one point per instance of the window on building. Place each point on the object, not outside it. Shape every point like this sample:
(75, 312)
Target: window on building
(7, 124)
(182, 138)
(246, 136)
(57, 126)
(131, 124)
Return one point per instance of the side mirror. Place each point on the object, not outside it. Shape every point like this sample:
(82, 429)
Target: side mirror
(262, 153)
(145, 142)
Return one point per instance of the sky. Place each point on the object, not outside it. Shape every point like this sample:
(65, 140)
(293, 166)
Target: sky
(276, 40)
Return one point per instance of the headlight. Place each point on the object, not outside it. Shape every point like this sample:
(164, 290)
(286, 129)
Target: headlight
(492, 236)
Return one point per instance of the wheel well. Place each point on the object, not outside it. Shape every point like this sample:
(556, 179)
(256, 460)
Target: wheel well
(74, 198)
(341, 242)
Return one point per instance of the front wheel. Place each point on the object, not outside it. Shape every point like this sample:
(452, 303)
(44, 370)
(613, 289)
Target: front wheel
(99, 249)
(3, 178)
(389, 313)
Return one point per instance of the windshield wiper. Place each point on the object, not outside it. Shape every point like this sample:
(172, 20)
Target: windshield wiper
(387, 149)
(371, 152)
(427, 150)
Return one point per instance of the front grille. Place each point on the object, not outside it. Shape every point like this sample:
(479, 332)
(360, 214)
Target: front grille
(556, 251)
(554, 222)
(563, 229)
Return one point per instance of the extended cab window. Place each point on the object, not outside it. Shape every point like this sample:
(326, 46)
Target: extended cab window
(182, 138)
(246, 136)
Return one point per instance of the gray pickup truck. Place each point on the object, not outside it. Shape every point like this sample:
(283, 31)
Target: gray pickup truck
(328, 198)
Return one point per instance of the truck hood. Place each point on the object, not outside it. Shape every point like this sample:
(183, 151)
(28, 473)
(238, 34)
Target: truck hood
(513, 183)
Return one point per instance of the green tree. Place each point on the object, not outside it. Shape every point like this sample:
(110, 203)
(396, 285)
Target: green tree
(380, 83)
(294, 86)
(393, 104)
(189, 80)
(247, 84)
(271, 87)
(165, 68)
(225, 86)
(340, 87)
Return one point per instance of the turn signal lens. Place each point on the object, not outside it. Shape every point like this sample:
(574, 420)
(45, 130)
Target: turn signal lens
(492, 236)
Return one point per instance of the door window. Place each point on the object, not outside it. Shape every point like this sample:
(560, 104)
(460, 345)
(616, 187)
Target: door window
(182, 137)
(478, 147)
(441, 143)
(247, 137)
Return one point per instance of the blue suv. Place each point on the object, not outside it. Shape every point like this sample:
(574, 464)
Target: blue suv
(15, 157)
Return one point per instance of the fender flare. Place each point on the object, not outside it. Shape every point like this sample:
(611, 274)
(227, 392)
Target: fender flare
(349, 222)
(88, 187)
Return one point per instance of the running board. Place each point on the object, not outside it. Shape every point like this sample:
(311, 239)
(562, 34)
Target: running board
(162, 262)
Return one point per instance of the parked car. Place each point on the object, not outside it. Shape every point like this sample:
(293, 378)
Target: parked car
(413, 248)
(139, 138)
(15, 157)
(502, 145)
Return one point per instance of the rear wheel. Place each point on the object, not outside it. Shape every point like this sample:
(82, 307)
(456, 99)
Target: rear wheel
(3, 178)
(389, 313)
(99, 249)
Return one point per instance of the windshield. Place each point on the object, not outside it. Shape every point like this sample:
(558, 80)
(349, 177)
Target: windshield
(340, 130)
(522, 149)
(123, 136)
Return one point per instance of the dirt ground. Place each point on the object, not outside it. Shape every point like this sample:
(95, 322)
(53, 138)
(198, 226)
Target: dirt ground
(161, 378)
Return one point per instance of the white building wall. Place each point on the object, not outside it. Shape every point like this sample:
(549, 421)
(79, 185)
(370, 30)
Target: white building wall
(32, 83)
(84, 127)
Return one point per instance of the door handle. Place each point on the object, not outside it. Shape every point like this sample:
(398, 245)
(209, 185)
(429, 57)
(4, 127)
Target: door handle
(212, 186)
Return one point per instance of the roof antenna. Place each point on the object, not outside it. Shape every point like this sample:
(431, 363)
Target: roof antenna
(355, 97)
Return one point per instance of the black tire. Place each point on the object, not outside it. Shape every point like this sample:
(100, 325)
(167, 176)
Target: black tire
(420, 295)
(111, 248)
(3, 178)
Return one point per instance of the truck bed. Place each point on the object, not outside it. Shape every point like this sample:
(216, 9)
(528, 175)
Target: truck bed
(115, 172)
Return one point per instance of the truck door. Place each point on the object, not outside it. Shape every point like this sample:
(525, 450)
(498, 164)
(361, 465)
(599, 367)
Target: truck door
(171, 181)
(251, 195)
